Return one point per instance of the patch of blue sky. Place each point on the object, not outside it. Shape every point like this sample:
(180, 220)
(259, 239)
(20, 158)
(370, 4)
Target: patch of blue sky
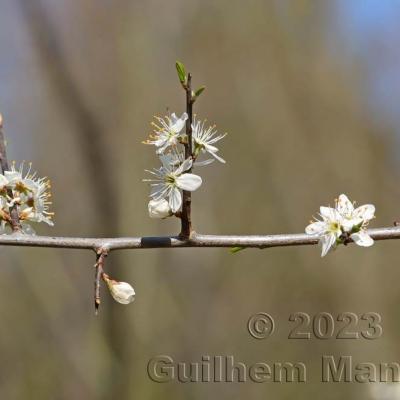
(370, 30)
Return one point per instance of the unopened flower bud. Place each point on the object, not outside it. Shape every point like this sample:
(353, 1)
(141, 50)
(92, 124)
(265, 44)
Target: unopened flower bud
(159, 209)
(122, 292)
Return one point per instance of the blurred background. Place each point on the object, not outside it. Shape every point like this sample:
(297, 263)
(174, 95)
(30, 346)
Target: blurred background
(309, 92)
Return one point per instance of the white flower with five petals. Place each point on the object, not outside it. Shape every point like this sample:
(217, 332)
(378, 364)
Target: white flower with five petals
(29, 192)
(167, 133)
(355, 220)
(205, 138)
(328, 229)
(342, 223)
(170, 179)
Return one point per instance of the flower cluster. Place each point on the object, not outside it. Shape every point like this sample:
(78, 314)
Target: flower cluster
(174, 174)
(29, 194)
(341, 224)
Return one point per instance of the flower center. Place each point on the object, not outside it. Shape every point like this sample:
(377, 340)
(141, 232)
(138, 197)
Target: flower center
(334, 226)
(30, 202)
(20, 187)
(170, 179)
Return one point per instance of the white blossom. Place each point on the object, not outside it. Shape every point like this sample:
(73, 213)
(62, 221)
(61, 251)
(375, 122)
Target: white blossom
(178, 155)
(29, 192)
(205, 138)
(121, 292)
(328, 229)
(38, 200)
(342, 223)
(355, 220)
(167, 132)
(169, 179)
(159, 208)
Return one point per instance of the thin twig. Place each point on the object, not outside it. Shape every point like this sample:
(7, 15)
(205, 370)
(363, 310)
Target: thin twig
(186, 218)
(196, 240)
(101, 255)
(14, 217)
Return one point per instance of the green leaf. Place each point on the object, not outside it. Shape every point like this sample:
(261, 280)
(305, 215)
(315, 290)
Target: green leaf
(180, 69)
(234, 250)
(199, 91)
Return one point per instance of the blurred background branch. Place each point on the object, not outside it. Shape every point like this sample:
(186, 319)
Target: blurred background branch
(89, 135)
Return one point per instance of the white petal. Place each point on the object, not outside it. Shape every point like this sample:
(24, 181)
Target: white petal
(162, 146)
(166, 160)
(47, 221)
(31, 184)
(329, 213)
(3, 181)
(175, 200)
(217, 157)
(2, 227)
(365, 212)
(211, 149)
(345, 206)
(13, 176)
(327, 241)
(315, 228)
(158, 190)
(27, 229)
(203, 163)
(362, 239)
(187, 164)
(348, 224)
(325, 211)
(178, 123)
(188, 182)
(27, 213)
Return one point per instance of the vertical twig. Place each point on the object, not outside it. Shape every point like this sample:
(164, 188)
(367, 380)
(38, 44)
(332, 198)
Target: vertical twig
(101, 256)
(186, 219)
(14, 217)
